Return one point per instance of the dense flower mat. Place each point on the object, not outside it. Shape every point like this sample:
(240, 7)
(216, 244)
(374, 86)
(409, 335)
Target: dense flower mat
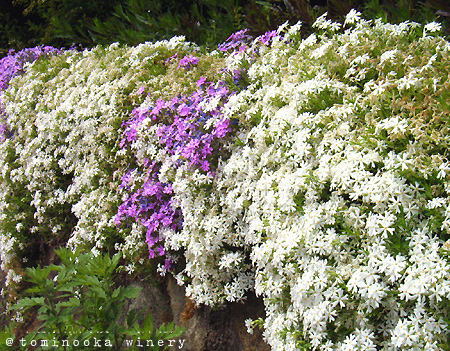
(314, 171)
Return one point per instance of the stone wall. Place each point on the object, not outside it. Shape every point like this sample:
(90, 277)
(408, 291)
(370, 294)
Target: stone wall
(207, 329)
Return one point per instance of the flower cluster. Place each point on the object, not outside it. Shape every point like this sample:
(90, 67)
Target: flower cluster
(333, 204)
(237, 42)
(13, 65)
(57, 179)
(183, 132)
(314, 171)
(188, 61)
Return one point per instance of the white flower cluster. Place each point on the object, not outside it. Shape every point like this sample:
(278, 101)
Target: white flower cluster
(334, 204)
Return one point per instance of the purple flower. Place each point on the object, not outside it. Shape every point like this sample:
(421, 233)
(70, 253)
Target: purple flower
(201, 81)
(150, 189)
(126, 178)
(151, 224)
(183, 131)
(267, 37)
(141, 90)
(167, 264)
(160, 104)
(188, 61)
(131, 135)
(222, 128)
(161, 251)
(184, 110)
(172, 57)
(205, 166)
(238, 40)
(168, 189)
(12, 64)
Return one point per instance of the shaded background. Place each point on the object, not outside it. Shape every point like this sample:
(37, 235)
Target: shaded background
(63, 23)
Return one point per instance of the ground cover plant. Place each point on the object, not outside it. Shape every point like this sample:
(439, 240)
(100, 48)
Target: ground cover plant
(314, 171)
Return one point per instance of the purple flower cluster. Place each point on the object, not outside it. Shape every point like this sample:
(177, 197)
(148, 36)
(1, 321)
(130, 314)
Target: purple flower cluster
(236, 42)
(188, 61)
(187, 135)
(12, 66)
(150, 205)
(191, 127)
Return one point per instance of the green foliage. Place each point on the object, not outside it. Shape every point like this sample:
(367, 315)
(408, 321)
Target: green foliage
(6, 334)
(400, 10)
(16, 29)
(205, 22)
(64, 22)
(136, 21)
(77, 301)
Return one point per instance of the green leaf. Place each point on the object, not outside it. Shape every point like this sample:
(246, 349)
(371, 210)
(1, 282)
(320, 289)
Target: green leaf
(96, 309)
(147, 325)
(130, 292)
(29, 302)
(132, 317)
(73, 302)
(168, 331)
(86, 280)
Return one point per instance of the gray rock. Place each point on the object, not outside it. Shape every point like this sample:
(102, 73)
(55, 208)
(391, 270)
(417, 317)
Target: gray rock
(207, 329)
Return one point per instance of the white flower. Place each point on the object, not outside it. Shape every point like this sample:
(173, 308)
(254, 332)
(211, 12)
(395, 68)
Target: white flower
(360, 60)
(412, 80)
(282, 27)
(436, 203)
(310, 41)
(293, 30)
(230, 260)
(432, 27)
(321, 22)
(352, 17)
(388, 55)
(443, 169)
(249, 325)
(394, 125)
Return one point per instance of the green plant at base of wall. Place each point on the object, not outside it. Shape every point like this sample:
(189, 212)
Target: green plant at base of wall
(79, 306)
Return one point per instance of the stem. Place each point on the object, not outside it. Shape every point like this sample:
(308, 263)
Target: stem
(58, 324)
